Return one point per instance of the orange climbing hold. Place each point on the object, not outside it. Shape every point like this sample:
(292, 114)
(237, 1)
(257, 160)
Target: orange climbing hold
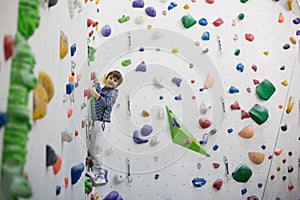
(66, 182)
(57, 166)
(70, 112)
(210, 80)
(278, 152)
(256, 157)
(281, 18)
(247, 132)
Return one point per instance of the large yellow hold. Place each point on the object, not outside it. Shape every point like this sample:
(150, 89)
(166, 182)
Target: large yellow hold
(40, 102)
(46, 82)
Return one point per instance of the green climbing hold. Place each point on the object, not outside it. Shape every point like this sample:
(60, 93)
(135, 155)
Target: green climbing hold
(265, 89)
(242, 173)
(259, 113)
(182, 136)
(123, 19)
(244, 1)
(237, 52)
(241, 16)
(188, 21)
(125, 63)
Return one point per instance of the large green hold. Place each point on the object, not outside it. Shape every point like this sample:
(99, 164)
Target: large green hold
(180, 134)
(259, 114)
(188, 21)
(265, 89)
(242, 173)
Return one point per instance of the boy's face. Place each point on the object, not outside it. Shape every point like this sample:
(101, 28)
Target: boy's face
(111, 82)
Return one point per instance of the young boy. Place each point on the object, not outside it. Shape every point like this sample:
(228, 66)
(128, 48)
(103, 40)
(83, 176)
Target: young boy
(105, 99)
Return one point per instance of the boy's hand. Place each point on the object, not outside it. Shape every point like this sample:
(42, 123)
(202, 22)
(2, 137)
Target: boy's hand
(92, 91)
(96, 78)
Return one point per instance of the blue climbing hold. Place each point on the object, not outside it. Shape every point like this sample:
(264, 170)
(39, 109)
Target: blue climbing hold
(3, 118)
(203, 22)
(240, 67)
(206, 35)
(76, 172)
(172, 5)
(233, 89)
(73, 49)
(198, 182)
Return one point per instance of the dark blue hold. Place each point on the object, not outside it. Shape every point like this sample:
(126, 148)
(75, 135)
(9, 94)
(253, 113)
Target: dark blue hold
(161, 97)
(156, 176)
(203, 22)
(259, 185)
(52, 3)
(70, 87)
(233, 89)
(240, 67)
(282, 67)
(263, 146)
(57, 190)
(284, 127)
(113, 195)
(172, 5)
(73, 49)
(76, 172)
(215, 148)
(3, 118)
(286, 46)
(201, 89)
(230, 130)
(141, 49)
(198, 182)
(175, 122)
(206, 36)
(296, 20)
(244, 191)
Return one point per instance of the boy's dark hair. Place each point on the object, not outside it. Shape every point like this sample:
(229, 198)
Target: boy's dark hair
(116, 74)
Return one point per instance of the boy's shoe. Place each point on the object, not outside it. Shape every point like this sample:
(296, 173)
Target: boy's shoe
(91, 175)
(99, 180)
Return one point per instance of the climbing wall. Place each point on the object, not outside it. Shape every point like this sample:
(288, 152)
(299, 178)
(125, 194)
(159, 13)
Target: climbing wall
(208, 107)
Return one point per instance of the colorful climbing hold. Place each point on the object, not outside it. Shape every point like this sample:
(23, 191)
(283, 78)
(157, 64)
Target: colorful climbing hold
(150, 11)
(247, 132)
(106, 30)
(256, 157)
(141, 67)
(76, 172)
(198, 182)
(9, 45)
(188, 21)
(259, 114)
(219, 21)
(242, 173)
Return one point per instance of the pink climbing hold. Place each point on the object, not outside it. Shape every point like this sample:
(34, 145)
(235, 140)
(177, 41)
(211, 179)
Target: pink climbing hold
(244, 114)
(249, 37)
(218, 184)
(204, 122)
(210, 1)
(218, 22)
(235, 106)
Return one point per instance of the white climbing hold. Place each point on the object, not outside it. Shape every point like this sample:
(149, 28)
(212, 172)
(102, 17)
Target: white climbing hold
(204, 107)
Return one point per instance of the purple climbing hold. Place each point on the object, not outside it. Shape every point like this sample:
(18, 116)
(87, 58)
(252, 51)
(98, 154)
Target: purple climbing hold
(106, 30)
(178, 97)
(175, 122)
(296, 20)
(146, 130)
(141, 67)
(298, 32)
(177, 81)
(51, 156)
(113, 195)
(138, 4)
(76, 172)
(150, 11)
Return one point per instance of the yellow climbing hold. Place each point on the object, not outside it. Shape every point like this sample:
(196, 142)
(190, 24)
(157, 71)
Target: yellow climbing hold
(175, 50)
(149, 26)
(104, 79)
(145, 113)
(40, 102)
(284, 83)
(64, 46)
(266, 53)
(97, 1)
(186, 7)
(293, 40)
(290, 105)
(290, 4)
(46, 82)
(256, 157)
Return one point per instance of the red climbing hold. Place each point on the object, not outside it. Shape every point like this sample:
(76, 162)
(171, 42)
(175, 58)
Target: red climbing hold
(249, 37)
(290, 186)
(89, 22)
(210, 1)
(218, 184)
(244, 114)
(218, 22)
(216, 165)
(9, 44)
(235, 106)
(204, 122)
